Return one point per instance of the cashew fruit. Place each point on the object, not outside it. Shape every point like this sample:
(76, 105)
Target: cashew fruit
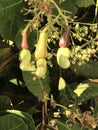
(41, 68)
(23, 53)
(24, 43)
(64, 39)
(64, 51)
(25, 58)
(63, 61)
(41, 62)
(41, 71)
(41, 47)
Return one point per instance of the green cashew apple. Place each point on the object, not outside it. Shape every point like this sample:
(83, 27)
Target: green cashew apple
(63, 55)
(41, 71)
(41, 62)
(64, 51)
(41, 68)
(23, 53)
(63, 61)
(25, 58)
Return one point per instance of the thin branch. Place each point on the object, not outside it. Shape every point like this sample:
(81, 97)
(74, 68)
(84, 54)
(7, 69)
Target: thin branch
(43, 116)
(86, 43)
(30, 22)
(60, 12)
(7, 61)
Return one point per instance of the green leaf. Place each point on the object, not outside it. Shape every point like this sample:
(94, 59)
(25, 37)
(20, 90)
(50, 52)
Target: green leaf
(12, 22)
(62, 126)
(32, 38)
(88, 70)
(37, 86)
(12, 122)
(5, 103)
(84, 3)
(95, 113)
(25, 116)
(68, 5)
(4, 53)
(11, 19)
(90, 92)
(76, 127)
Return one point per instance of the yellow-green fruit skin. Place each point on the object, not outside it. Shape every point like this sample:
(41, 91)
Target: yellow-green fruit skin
(41, 68)
(41, 72)
(23, 54)
(63, 62)
(63, 55)
(64, 51)
(41, 62)
(25, 58)
(41, 47)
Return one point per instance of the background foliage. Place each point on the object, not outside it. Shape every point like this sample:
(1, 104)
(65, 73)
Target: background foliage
(32, 103)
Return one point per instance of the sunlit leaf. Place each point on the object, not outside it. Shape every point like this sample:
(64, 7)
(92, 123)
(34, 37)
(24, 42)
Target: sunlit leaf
(81, 88)
(91, 91)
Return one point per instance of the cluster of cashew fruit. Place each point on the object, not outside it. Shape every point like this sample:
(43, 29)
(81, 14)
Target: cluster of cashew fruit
(41, 53)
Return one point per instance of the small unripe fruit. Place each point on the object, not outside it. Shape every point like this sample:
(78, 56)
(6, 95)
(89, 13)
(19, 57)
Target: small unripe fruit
(24, 43)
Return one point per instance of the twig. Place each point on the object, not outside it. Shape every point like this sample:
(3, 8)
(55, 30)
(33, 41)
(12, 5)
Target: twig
(7, 61)
(43, 116)
(86, 43)
(59, 10)
(30, 22)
